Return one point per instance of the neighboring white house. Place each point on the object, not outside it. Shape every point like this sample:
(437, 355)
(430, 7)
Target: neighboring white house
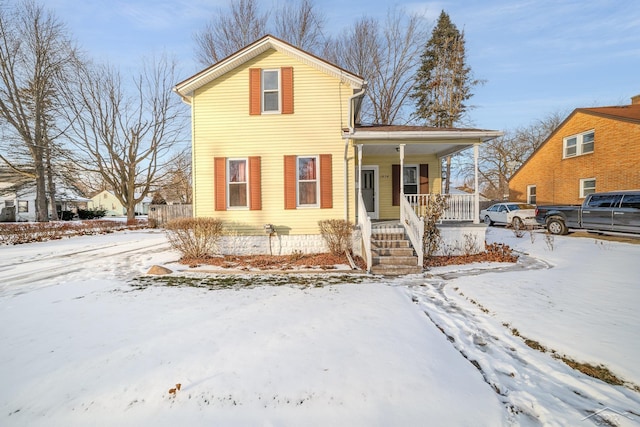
(109, 202)
(18, 198)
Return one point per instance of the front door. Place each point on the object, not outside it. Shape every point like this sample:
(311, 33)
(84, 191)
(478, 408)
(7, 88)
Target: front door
(368, 185)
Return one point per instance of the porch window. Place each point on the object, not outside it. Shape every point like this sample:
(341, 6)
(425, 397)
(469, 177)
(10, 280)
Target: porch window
(587, 186)
(410, 179)
(577, 145)
(531, 194)
(23, 206)
(237, 182)
(308, 181)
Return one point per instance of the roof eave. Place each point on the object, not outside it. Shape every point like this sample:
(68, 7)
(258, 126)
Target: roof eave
(186, 88)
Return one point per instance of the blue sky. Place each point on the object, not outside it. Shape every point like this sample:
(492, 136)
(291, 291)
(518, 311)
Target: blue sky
(537, 56)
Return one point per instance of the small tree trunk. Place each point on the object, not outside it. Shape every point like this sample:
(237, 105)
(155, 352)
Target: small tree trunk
(42, 214)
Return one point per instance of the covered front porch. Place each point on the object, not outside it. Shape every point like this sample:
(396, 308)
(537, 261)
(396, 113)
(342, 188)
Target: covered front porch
(397, 169)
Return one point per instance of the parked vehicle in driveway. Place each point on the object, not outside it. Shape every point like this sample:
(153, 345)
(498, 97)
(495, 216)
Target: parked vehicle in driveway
(509, 213)
(611, 211)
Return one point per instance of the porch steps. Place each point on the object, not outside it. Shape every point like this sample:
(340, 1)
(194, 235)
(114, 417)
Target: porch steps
(392, 253)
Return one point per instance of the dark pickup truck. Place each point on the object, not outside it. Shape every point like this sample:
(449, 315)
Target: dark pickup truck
(612, 211)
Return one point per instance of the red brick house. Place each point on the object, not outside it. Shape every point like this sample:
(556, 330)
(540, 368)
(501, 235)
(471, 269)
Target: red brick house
(593, 149)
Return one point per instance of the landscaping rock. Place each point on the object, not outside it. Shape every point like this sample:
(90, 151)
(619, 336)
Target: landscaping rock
(159, 270)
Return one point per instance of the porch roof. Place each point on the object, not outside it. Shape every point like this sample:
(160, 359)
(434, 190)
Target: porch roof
(383, 139)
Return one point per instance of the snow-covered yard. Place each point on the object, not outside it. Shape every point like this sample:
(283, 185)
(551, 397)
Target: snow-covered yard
(81, 345)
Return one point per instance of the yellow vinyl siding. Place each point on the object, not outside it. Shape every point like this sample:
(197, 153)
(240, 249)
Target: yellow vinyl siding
(387, 210)
(222, 127)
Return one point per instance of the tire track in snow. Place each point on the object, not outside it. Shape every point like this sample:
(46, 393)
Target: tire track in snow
(534, 387)
(66, 264)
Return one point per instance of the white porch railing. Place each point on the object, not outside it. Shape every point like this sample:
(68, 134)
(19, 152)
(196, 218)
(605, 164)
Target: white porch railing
(460, 207)
(414, 227)
(364, 222)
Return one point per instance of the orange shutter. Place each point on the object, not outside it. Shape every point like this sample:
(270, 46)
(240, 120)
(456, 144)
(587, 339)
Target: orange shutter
(220, 183)
(255, 197)
(326, 181)
(395, 185)
(286, 75)
(254, 91)
(290, 182)
(424, 179)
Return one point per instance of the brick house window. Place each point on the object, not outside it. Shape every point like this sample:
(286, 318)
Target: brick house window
(577, 145)
(531, 194)
(587, 186)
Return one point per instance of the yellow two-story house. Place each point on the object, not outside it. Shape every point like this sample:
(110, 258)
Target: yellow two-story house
(277, 147)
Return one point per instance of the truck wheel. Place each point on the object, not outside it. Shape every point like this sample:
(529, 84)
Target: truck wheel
(487, 220)
(556, 226)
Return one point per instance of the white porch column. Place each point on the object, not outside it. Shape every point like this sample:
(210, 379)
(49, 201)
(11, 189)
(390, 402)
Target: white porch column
(476, 193)
(359, 177)
(401, 170)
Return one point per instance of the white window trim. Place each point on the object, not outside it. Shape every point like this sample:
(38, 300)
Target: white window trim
(317, 204)
(263, 90)
(529, 187)
(579, 144)
(228, 183)
(582, 181)
(417, 184)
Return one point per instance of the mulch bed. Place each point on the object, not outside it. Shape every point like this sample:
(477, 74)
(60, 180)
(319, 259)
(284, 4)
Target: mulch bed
(495, 252)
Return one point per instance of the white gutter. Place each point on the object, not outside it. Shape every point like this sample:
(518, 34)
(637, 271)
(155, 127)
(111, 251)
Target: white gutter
(425, 135)
(352, 121)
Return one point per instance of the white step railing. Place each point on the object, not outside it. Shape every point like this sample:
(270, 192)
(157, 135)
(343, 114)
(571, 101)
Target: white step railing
(364, 222)
(414, 227)
(460, 207)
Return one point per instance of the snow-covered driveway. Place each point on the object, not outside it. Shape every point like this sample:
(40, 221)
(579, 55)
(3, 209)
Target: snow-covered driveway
(80, 346)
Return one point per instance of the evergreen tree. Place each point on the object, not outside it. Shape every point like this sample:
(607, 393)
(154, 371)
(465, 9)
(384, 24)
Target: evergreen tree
(443, 81)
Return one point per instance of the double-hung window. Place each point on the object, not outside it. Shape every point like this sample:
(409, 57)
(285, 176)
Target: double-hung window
(308, 183)
(23, 206)
(237, 181)
(531, 194)
(270, 91)
(577, 145)
(410, 179)
(587, 186)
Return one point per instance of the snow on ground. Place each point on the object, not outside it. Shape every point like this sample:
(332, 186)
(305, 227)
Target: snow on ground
(79, 344)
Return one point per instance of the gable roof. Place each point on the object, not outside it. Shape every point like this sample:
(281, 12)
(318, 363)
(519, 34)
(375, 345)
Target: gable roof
(188, 86)
(621, 112)
(626, 113)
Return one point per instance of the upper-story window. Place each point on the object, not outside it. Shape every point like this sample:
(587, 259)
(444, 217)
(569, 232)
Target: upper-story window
(270, 91)
(577, 145)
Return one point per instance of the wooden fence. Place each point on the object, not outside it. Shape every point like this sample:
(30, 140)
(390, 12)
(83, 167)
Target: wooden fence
(159, 215)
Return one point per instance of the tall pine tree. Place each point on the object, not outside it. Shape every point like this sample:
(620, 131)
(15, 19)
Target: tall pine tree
(443, 81)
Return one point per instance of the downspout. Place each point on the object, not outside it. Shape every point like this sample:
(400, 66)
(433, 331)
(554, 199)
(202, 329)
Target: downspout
(352, 125)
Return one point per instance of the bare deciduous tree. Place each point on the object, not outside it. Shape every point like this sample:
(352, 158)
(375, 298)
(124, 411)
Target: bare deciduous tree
(386, 57)
(126, 136)
(300, 24)
(35, 54)
(501, 157)
(230, 31)
(176, 182)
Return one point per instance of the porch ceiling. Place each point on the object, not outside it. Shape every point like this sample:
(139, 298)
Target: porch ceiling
(387, 149)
